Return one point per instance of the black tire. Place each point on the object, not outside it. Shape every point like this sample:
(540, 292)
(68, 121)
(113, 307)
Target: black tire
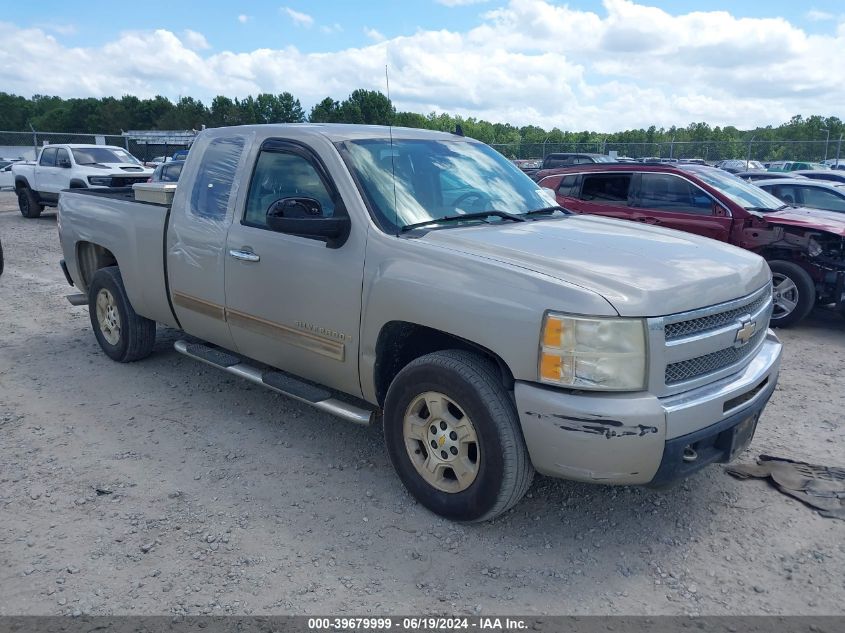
(28, 203)
(801, 289)
(504, 470)
(136, 335)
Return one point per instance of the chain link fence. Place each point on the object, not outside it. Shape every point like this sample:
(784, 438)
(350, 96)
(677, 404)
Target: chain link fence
(26, 144)
(711, 151)
(146, 147)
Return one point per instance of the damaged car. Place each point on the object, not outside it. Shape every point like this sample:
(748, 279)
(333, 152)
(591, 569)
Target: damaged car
(805, 248)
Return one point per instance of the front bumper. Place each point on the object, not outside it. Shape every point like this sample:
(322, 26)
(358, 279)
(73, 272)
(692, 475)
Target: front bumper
(638, 438)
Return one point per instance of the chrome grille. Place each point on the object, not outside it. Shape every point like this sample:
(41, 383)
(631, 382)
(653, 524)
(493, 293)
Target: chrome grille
(689, 327)
(713, 362)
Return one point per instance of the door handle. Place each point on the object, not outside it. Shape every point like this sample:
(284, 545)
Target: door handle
(648, 220)
(244, 256)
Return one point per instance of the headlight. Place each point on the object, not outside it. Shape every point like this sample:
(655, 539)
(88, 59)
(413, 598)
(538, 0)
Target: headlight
(585, 353)
(100, 181)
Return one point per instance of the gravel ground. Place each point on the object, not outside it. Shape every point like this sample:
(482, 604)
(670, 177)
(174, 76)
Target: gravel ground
(167, 487)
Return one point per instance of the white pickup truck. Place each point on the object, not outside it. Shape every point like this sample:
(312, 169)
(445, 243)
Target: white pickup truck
(73, 166)
(420, 279)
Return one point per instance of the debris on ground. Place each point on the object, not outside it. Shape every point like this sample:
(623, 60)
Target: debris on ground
(820, 487)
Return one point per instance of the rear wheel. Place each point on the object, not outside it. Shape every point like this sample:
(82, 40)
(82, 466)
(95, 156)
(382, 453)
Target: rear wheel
(793, 293)
(454, 438)
(121, 332)
(28, 203)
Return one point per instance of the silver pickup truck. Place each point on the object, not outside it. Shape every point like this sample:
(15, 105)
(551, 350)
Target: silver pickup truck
(420, 279)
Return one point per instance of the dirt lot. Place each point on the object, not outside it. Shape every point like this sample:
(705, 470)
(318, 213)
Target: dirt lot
(166, 486)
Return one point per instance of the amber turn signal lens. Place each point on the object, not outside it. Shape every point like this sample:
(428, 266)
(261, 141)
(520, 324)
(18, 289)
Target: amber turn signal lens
(553, 332)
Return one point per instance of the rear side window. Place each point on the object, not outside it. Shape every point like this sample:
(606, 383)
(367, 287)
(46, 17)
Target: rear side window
(822, 199)
(213, 185)
(568, 186)
(668, 192)
(606, 188)
(48, 157)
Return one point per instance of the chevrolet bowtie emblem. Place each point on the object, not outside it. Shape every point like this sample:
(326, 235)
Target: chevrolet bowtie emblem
(745, 332)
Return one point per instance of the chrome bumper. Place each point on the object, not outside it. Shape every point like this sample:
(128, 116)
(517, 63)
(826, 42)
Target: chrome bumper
(620, 438)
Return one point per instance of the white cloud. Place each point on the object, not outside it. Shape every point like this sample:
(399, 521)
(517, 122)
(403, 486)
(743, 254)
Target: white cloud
(194, 40)
(374, 35)
(243, 18)
(299, 18)
(529, 62)
(331, 28)
(814, 15)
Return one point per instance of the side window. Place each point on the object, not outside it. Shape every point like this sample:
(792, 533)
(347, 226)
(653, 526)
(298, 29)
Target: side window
(787, 193)
(48, 157)
(62, 156)
(668, 192)
(213, 185)
(173, 172)
(567, 187)
(606, 188)
(280, 175)
(823, 199)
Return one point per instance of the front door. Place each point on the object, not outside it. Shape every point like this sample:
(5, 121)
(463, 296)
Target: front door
(293, 302)
(673, 202)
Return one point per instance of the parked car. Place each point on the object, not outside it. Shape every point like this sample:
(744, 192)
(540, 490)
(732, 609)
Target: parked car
(73, 167)
(805, 247)
(565, 159)
(168, 172)
(829, 175)
(814, 194)
(692, 161)
(494, 342)
(796, 165)
(755, 175)
(736, 165)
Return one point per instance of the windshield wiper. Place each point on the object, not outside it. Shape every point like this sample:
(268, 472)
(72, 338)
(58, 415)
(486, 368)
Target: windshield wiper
(466, 216)
(546, 210)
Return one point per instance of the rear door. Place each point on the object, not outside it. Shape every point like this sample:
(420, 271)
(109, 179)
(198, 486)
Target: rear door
(291, 301)
(606, 193)
(674, 202)
(196, 237)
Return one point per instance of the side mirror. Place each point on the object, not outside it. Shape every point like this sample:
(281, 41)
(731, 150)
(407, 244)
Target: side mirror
(719, 211)
(304, 217)
(64, 163)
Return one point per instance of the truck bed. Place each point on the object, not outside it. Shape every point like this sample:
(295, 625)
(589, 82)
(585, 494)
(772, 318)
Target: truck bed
(133, 232)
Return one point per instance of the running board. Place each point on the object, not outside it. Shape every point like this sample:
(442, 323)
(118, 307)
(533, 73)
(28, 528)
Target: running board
(77, 299)
(279, 382)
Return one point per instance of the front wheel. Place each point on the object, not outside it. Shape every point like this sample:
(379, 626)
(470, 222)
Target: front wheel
(793, 293)
(122, 334)
(454, 438)
(28, 203)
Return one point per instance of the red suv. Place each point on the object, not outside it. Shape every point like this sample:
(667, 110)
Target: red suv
(805, 248)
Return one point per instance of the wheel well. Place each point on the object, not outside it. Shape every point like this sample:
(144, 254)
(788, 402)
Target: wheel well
(91, 258)
(78, 184)
(20, 183)
(400, 342)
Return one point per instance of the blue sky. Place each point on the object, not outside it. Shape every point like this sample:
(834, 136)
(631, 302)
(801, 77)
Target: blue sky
(96, 21)
(605, 65)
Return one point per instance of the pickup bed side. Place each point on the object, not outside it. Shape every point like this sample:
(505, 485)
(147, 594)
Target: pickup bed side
(107, 227)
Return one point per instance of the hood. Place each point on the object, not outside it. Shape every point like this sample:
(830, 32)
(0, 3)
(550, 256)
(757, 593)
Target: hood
(814, 219)
(642, 271)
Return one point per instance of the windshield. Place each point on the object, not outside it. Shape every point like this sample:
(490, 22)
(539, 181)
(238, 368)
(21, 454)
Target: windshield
(91, 155)
(743, 193)
(436, 179)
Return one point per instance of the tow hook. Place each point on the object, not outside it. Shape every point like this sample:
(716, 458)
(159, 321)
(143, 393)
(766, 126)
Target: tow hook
(690, 454)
